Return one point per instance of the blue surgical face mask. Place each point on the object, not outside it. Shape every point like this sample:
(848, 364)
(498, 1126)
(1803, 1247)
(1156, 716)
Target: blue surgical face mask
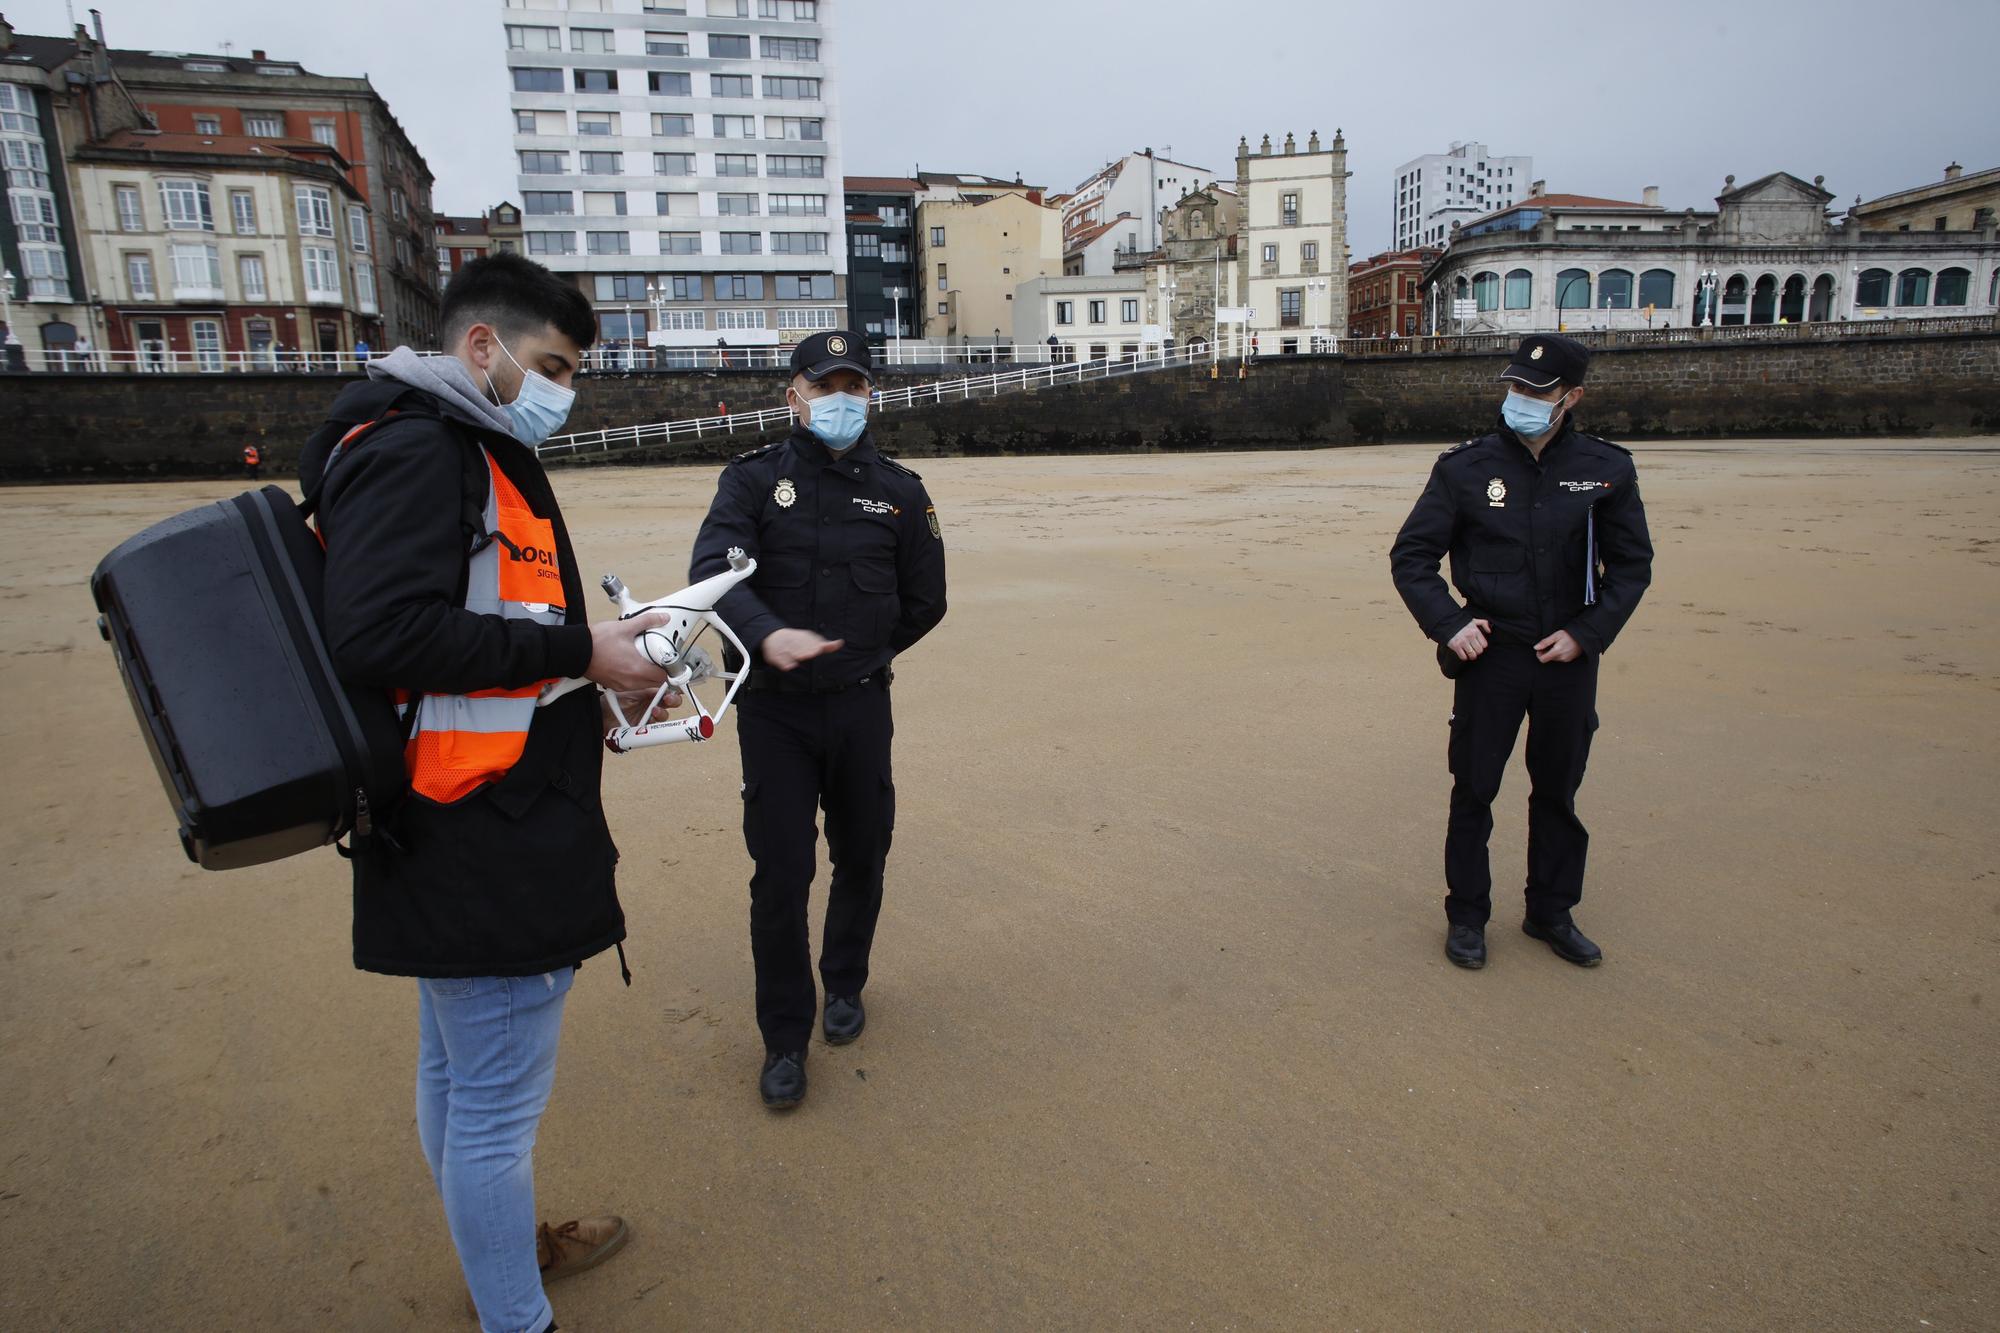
(539, 408)
(838, 418)
(1528, 417)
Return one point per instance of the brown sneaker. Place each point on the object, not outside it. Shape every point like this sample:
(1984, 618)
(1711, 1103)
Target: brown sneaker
(571, 1248)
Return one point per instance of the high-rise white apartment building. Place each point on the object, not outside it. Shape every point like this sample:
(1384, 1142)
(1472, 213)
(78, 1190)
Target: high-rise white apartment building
(682, 159)
(1466, 182)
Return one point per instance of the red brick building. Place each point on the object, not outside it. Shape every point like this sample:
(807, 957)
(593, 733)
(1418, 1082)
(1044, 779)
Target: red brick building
(1385, 294)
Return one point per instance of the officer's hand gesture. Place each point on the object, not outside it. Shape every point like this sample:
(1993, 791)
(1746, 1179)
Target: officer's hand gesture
(787, 648)
(615, 660)
(1558, 647)
(1470, 642)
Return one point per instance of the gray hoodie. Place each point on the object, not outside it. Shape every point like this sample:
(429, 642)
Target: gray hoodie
(445, 378)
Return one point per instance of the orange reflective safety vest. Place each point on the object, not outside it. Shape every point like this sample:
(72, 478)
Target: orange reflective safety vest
(461, 742)
(250, 455)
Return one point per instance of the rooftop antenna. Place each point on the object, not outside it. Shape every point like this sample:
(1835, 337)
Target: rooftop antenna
(227, 47)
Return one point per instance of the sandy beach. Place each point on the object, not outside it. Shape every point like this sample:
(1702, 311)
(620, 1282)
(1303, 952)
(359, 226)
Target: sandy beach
(1161, 1033)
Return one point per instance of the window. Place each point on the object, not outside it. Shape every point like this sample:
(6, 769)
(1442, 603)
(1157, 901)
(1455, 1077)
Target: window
(185, 205)
(799, 11)
(1309, 252)
(809, 319)
(808, 128)
(1291, 304)
(1486, 291)
(539, 122)
(604, 203)
(620, 326)
(551, 242)
(680, 242)
(780, 164)
(250, 273)
(789, 48)
(669, 83)
(602, 164)
(673, 124)
(679, 287)
(798, 242)
(729, 9)
(263, 125)
(1913, 287)
(197, 271)
(943, 285)
(1065, 312)
(546, 203)
(739, 286)
(666, 43)
(673, 164)
(801, 206)
(739, 319)
(130, 216)
(676, 205)
(805, 286)
(596, 41)
(867, 245)
(542, 162)
(620, 286)
(537, 80)
(207, 344)
(937, 237)
(1656, 288)
(1097, 312)
(315, 210)
(742, 243)
(1872, 287)
(729, 85)
(322, 274)
(364, 286)
(325, 132)
(1270, 254)
(521, 37)
(1289, 210)
(1614, 289)
(208, 124)
(1573, 289)
(733, 127)
(728, 46)
(594, 80)
(1128, 310)
(609, 242)
(597, 123)
(735, 164)
(357, 228)
(664, 6)
(1520, 289)
(139, 277)
(796, 90)
(736, 205)
(1953, 285)
(944, 307)
(683, 321)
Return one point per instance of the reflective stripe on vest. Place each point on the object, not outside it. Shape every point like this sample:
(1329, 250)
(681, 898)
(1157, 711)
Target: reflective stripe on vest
(464, 741)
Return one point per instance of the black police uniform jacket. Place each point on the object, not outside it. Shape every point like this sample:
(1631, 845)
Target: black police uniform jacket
(1526, 538)
(517, 878)
(847, 547)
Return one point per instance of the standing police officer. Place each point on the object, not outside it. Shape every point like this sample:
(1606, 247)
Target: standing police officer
(850, 572)
(1548, 545)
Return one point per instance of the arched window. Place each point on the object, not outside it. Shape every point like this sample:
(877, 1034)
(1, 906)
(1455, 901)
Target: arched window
(1656, 287)
(1462, 287)
(1520, 289)
(1614, 289)
(1764, 300)
(1486, 291)
(1792, 305)
(1872, 287)
(1822, 299)
(1735, 299)
(1993, 288)
(1573, 289)
(1913, 287)
(1953, 286)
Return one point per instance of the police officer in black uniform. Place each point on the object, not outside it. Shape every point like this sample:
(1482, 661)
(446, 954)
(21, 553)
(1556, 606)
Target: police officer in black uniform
(850, 572)
(1548, 546)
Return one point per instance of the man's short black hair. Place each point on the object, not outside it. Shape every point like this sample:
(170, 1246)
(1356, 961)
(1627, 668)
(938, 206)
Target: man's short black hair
(516, 296)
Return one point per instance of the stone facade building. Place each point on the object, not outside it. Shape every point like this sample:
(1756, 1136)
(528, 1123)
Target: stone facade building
(1385, 294)
(974, 251)
(1957, 203)
(1194, 271)
(460, 240)
(1293, 273)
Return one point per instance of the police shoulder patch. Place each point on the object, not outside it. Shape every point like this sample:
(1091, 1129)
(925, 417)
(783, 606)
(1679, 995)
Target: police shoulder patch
(894, 466)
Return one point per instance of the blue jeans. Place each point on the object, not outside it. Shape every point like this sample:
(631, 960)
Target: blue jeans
(486, 1059)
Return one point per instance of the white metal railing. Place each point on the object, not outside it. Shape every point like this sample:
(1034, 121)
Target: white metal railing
(177, 361)
(945, 389)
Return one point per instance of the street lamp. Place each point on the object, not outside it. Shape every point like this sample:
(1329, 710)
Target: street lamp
(7, 300)
(1314, 286)
(1562, 292)
(1167, 290)
(896, 296)
(1707, 288)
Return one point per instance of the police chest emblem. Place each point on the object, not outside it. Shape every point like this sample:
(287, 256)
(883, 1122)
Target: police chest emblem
(786, 495)
(930, 516)
(1535, 355)
(1496, 493)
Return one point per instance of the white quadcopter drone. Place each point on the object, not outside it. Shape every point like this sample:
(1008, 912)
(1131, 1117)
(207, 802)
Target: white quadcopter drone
(673, 648)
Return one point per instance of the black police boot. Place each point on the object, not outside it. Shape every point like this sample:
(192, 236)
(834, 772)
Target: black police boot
(844, 1019)
(784, 1082)
(1466, 946)
(1565, 941)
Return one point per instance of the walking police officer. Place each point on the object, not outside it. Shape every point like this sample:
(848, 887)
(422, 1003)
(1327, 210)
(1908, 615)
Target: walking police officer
(850, 572)
(1548, 545)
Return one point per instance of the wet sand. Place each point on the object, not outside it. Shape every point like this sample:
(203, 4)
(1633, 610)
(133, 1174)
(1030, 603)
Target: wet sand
(1161, 1033)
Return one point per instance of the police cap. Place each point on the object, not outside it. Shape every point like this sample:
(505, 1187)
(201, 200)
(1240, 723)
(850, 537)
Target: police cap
(823, 353)
(1544, 360)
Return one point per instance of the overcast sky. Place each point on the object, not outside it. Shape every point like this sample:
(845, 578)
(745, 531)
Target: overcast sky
(1607, 97)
